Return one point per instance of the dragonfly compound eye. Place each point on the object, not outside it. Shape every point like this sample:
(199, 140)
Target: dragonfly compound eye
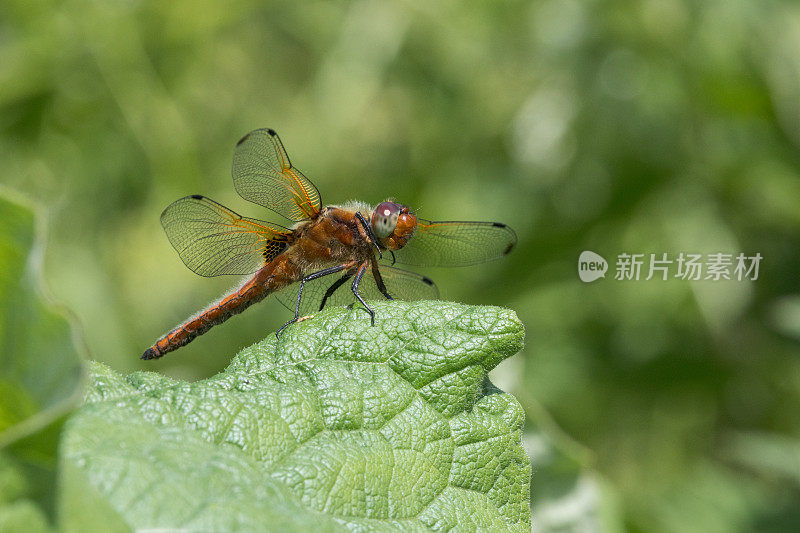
(384, 219)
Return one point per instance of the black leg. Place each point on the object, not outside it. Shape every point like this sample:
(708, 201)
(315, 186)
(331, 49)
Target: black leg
(312, 276)
(368, 229)
(379, 281)
(356, 281)
(394, 259)
(336, 284)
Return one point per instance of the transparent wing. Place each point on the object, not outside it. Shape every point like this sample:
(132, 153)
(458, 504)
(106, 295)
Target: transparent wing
(263, 174)
(455, 244)
(401, 284)
(213, 240)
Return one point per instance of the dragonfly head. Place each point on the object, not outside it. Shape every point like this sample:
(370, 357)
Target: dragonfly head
(393, 224)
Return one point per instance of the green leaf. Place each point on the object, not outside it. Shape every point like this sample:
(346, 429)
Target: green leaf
(41, 368)
(40, 375)
(336, 424)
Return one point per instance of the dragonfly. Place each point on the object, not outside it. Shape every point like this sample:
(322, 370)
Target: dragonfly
(353, 242)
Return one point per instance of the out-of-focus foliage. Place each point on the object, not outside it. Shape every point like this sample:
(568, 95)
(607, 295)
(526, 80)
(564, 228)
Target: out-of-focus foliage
(41, 367)
(40, 375)
(652, 126)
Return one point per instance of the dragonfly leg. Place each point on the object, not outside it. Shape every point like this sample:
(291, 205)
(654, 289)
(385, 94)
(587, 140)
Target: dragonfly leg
(336, 284)
(312, 276)
(356, 282)
(368, 229)
(379, 281)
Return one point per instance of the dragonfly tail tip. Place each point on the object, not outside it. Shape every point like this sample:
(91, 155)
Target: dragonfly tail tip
(150, 354)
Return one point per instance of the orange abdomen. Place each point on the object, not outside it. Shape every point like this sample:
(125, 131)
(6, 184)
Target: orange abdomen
(329, 238)
(274, 276)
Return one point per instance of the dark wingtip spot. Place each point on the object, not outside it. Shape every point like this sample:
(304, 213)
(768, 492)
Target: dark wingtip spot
(429, 281)
(498, 225)
(271, 132)
(197, 196)
(243, 139)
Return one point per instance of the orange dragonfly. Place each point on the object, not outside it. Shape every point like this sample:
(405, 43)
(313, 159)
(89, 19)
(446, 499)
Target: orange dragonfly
(359, 242)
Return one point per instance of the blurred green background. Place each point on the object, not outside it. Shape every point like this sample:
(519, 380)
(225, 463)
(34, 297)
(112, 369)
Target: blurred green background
(624, 126)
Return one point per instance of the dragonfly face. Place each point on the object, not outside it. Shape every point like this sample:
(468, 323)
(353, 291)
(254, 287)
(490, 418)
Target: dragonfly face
(393, 224)
(298, 263)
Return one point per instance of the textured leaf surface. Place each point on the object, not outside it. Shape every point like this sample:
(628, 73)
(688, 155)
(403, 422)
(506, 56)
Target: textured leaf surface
(337, 424)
